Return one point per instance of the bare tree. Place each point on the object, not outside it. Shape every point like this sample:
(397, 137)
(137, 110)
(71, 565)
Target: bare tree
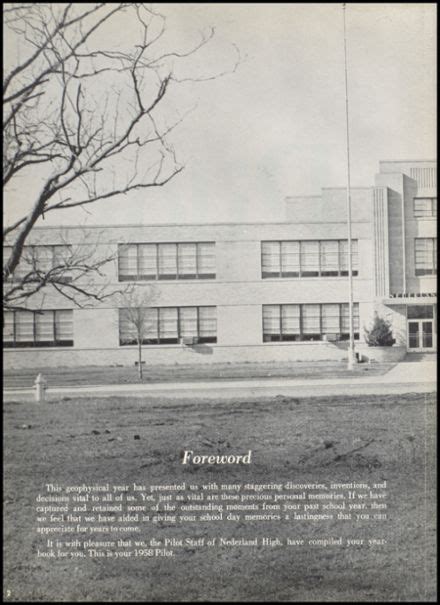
(135, 319)
(74, 269)
(92, 119)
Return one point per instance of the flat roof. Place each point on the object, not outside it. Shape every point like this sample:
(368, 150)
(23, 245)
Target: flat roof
(232, 224)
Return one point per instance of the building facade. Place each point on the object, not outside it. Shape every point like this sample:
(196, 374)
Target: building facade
(249, 291)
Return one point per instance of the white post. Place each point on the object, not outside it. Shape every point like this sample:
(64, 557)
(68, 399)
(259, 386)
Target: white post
(40, 389)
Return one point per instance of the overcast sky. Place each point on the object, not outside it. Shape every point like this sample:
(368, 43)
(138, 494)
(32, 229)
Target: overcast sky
(276, 126)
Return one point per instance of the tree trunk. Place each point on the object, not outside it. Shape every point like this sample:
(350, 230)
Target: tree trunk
(140, 359)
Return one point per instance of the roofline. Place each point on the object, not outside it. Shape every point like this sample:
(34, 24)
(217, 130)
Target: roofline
(140, 226)
(351, 188)
(302, 197)
(319, 195)
(406, 161)
(130, 225)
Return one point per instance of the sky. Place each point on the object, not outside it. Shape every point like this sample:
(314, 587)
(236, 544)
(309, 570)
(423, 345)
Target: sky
(275, 126)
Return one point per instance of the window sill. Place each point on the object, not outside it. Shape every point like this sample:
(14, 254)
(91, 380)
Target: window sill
(306, 342)
(308, 278)
(168, 280)
(33, 349)
(168, 346)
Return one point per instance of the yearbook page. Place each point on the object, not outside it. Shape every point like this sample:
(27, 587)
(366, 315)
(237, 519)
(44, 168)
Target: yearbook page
(220, 307)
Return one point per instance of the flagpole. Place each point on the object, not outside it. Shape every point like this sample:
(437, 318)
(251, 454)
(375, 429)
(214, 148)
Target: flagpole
(351, 352)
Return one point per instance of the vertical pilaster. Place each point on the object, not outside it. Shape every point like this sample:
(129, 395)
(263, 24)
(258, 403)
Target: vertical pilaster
(381, 242)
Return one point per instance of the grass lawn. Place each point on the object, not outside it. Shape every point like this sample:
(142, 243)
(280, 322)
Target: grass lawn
(181, 372)
(340, 439)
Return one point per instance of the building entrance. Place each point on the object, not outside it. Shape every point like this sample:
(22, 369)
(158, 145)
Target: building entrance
(421, 328)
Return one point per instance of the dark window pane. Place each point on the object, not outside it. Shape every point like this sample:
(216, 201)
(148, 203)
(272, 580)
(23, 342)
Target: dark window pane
(290, 274)
(206, 339)
(309, 274)
(420, 312)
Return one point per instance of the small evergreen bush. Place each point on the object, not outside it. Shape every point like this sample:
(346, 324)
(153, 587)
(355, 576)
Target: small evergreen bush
(380, 334)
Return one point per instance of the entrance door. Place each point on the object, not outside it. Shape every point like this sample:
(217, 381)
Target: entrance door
(420, 335)
(421, 332)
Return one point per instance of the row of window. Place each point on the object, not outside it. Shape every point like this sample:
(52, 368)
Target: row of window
(307, 258)
(309, 322)
(171, 325)
(190, 260)
(38, 328)
(425, 207)
(167, 325)
(196, 260)
(42, 258)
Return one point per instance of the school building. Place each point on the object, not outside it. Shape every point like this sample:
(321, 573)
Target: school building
(232, 292)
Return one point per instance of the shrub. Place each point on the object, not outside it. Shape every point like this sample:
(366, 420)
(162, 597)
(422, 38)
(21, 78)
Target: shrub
(380, 334)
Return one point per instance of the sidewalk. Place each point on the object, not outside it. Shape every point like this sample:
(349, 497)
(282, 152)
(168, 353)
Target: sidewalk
(405, 377)
(409, 371)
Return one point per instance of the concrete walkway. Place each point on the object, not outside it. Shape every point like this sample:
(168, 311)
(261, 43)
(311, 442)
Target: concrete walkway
(412, 371)
(405, 377)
